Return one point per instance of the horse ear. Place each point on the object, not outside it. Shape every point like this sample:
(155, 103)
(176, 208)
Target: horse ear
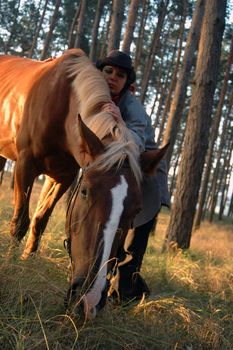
(150, 159)
(89, 144)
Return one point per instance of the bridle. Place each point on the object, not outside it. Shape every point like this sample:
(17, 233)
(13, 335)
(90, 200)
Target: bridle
(69, 211)
(70, 206)
(68, 241)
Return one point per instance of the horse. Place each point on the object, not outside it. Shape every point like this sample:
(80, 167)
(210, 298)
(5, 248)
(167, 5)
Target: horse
(2, 166)
(52, 123)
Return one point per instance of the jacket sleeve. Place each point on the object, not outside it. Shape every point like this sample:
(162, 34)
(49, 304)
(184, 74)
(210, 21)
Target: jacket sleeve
(134, 116)
(161, 171)
(139, 123)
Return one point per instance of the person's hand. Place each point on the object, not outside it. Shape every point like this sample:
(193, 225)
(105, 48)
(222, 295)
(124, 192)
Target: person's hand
(114, 110)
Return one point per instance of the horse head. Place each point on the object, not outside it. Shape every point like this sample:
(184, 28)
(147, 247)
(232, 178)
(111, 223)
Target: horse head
(99, 215)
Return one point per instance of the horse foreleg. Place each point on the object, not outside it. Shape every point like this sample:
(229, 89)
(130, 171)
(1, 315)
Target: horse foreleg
(2, 166)
(50, 194)
(25, 174)
(1, 176)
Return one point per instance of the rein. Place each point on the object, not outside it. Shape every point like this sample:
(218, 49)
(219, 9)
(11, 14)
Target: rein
(70, 206)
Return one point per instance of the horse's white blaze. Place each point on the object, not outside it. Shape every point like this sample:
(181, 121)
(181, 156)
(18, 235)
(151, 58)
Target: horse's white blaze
(119, 193)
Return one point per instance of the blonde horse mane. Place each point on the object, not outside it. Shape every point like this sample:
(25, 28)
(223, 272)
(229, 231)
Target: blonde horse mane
(92, 93)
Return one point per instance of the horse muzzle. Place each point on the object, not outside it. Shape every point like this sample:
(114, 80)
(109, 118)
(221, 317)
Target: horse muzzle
(86, 302)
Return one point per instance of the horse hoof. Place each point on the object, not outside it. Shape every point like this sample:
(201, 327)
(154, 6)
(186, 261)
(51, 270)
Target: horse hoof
(26, 255)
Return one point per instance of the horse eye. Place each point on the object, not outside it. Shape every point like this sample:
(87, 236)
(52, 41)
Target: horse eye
(84, 192)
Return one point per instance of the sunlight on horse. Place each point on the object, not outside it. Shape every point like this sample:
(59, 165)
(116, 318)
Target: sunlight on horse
(41, 129)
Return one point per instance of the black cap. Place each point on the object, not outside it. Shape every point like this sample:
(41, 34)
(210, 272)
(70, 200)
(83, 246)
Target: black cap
(118, 59)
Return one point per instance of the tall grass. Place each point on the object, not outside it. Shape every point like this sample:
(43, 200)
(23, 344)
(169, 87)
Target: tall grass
(190, 306)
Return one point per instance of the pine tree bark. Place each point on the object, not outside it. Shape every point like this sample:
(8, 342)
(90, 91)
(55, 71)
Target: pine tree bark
(94, 36)
(214, 133)
(158, 92)
(197, 129)
(225, 146)
(174, 76)
(80, 26)
(105, 35)
(230, 209)
(139, 43)
(165, 73)
(225, 182)
(130, 26)
(175, 113)
(72, 27)
(153, 48)
(116, 25)
(51, 29)
(38, 28)
(175, 164)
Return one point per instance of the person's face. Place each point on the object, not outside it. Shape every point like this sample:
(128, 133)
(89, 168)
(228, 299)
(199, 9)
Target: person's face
(116, 78)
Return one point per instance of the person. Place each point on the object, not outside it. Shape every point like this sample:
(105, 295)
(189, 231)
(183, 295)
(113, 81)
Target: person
(126, 283)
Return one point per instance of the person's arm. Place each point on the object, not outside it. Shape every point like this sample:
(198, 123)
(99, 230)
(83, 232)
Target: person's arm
(135, 118)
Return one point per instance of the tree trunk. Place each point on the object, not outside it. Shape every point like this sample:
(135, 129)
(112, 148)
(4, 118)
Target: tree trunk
(230, 210)
(197, 129)
(72, 28)
(130, 26)
(116, 24)
(214, 133)
(80, 26)
(214, 193)
(209, 203)
(153, 48)
(141, 34)
(174, 75)
(178, 101)
(94, 36)
(158, 92)
(225, 182)
(163, 93)
(38, 28)
(159, 84)
(175, 164)
(51, 29)
(105, 35)
(224, 146)
(165, 66)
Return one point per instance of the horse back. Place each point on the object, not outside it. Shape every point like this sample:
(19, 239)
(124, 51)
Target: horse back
(34, 97)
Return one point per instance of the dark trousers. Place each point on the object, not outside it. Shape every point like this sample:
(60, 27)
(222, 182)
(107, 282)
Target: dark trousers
(126, 282)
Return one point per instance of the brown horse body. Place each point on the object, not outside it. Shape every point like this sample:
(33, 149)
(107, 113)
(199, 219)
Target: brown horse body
(2, 166)
(34, 102)
(41, 130)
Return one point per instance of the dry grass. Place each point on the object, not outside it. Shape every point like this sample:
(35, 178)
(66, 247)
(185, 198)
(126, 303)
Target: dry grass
(190, 306)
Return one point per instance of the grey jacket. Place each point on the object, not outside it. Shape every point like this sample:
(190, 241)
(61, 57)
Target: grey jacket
(154, 188)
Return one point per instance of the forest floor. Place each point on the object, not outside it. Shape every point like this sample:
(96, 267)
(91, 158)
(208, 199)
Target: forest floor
(190, 306)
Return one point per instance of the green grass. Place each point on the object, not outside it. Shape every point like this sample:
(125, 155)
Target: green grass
(190, 306)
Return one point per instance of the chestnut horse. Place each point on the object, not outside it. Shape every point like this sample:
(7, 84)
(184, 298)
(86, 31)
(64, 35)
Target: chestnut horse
(41, 129)
(2, 166)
